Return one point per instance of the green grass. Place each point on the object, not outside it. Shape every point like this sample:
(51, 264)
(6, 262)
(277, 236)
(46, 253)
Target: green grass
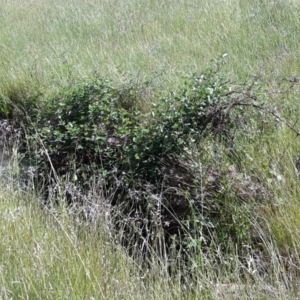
(50, 44)
(45, 46)
(44, 256)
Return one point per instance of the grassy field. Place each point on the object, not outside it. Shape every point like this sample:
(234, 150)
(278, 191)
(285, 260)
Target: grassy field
(48, 45)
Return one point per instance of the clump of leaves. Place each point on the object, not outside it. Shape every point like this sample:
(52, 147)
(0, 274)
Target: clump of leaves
(85, 127)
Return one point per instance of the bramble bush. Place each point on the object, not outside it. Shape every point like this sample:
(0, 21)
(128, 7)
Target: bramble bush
(155, 166)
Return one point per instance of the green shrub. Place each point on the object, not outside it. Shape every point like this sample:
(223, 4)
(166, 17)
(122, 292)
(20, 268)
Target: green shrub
(148, 163)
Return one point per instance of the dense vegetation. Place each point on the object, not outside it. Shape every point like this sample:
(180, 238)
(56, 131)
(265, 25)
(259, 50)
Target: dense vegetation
(185, 186)
(96, 134)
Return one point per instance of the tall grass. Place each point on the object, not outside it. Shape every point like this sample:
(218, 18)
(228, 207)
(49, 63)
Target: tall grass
(44, 46)
(54, 254)
(47, 44)
(45, 256)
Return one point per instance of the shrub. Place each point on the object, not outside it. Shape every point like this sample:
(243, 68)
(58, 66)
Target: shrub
(148, 163)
